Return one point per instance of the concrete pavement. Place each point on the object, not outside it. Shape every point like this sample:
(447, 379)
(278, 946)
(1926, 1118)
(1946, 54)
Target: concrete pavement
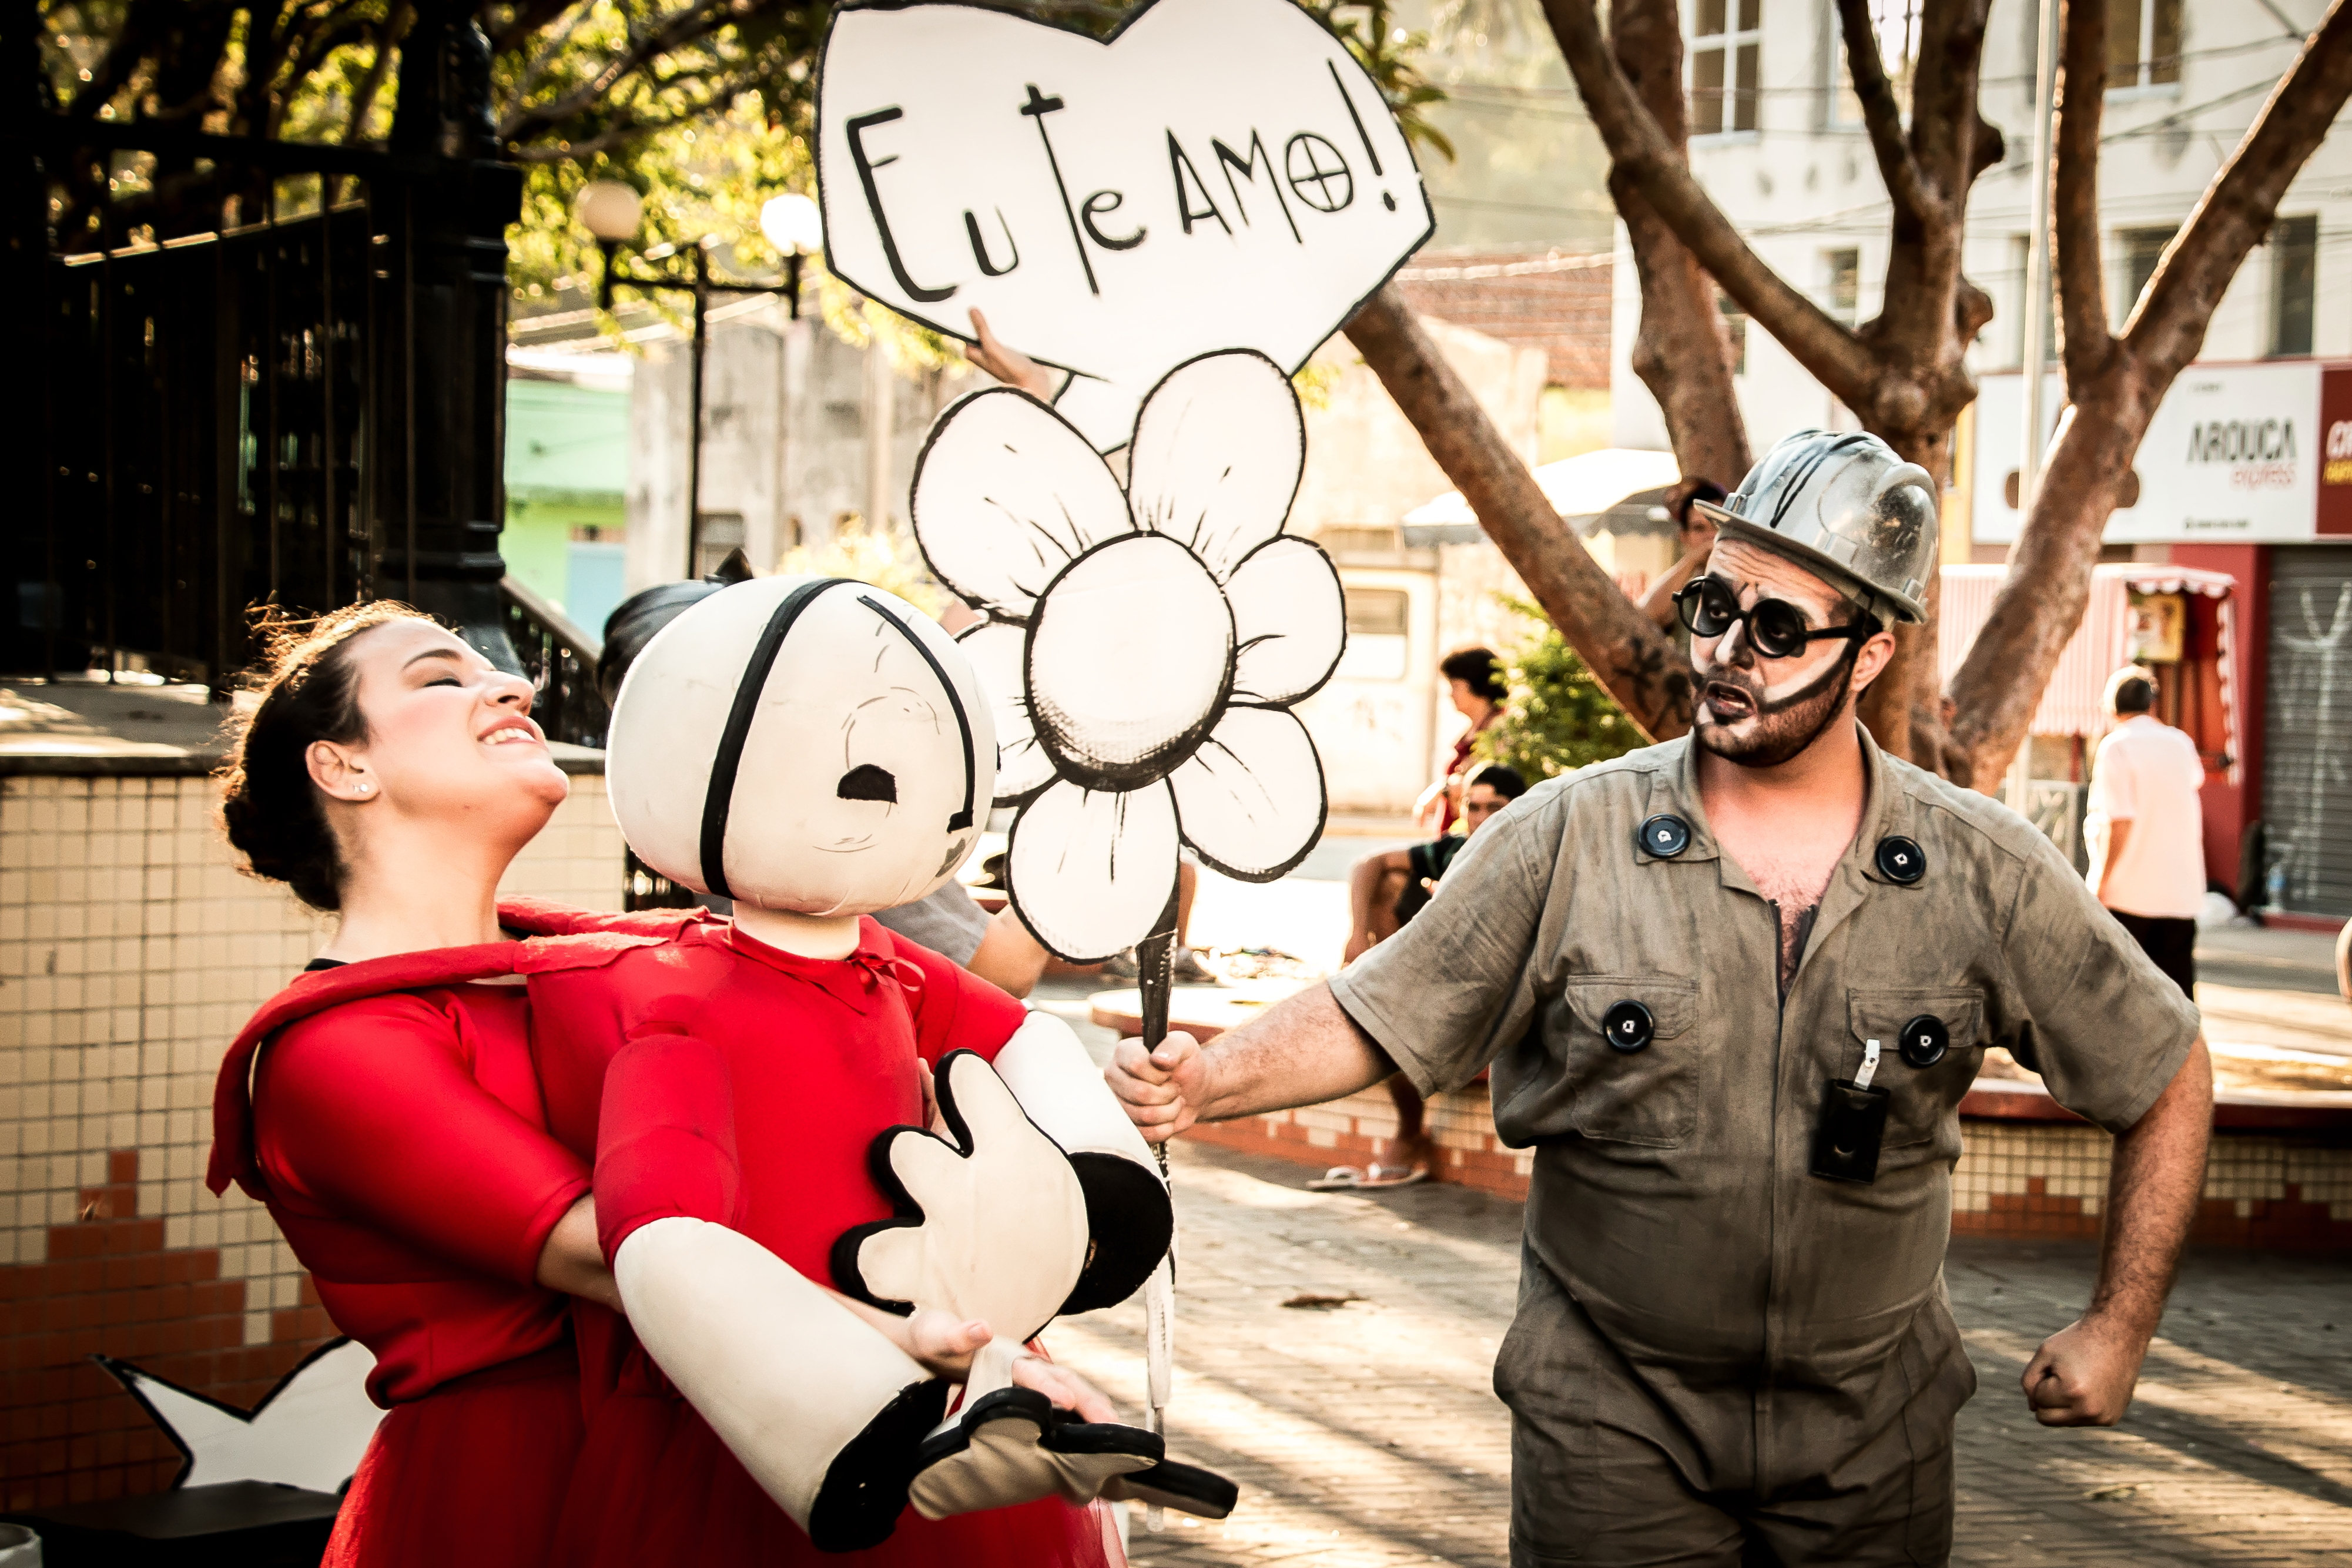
(1365, 1434)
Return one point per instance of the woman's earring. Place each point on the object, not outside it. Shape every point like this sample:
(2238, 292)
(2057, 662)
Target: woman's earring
(365, 788)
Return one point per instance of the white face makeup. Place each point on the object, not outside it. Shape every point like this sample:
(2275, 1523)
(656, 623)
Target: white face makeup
(1762, 711)
(853, 776)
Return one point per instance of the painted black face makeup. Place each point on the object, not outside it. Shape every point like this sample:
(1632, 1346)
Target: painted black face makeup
(1743, 720)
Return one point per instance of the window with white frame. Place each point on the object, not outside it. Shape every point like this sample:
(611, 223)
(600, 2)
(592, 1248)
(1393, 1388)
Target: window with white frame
(2143, 44)
(2294, 283)
(1841, 284)
(2138, 250)
(1727, 37)
(1897, 24)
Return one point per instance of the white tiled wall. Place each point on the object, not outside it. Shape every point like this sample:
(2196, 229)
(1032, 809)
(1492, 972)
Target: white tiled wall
(131, 950)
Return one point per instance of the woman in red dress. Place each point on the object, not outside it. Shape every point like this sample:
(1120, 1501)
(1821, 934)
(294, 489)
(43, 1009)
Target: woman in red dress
(387, 1111)
(387, 1108)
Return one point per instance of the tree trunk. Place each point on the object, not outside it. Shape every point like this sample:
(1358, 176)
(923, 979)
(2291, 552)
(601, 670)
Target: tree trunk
(1641, 666)
(1682, 350)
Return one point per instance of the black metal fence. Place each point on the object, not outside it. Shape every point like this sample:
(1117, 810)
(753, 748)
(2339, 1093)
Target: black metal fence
(294, 399)
(204, 414)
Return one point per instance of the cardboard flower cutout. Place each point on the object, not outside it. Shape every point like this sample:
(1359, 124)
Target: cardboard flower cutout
(1143, 647)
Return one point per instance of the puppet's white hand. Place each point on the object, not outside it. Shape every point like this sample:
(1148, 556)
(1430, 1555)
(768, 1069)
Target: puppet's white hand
(1002, 1230)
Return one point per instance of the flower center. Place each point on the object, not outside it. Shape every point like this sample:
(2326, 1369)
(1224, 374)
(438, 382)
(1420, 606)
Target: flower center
(1131, 658)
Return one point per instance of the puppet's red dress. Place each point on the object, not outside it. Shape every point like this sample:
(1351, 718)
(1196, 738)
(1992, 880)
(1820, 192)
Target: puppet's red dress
(817, 1058)
(389, 1115)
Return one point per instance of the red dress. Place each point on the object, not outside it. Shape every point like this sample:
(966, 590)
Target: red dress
(818, 1058)
(393, 1126)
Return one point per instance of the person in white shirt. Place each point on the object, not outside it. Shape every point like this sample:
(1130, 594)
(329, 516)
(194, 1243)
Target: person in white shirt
(2146, 831)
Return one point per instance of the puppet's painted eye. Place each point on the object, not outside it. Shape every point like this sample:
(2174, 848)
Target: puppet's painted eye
(867, 782)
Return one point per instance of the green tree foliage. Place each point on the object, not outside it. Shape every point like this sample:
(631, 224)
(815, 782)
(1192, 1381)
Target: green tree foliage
(1557, 718)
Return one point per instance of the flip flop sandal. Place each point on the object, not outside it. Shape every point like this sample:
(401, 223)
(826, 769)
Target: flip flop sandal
(1013, 1446)
(1187, 1488)
(1339, 1178)
(1381, 1176)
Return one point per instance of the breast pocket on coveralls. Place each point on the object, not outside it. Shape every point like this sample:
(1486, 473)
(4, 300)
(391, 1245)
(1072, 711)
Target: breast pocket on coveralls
(1628, 1058)
(1929, 1044)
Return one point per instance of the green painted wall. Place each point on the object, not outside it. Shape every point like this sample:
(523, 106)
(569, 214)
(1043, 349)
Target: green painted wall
(567, 470)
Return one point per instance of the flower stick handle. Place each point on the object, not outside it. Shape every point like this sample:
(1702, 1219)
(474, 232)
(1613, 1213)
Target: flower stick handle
(1155, 974)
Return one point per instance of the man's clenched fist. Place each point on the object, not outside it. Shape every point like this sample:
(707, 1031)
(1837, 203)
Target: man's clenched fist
(2083, 1375)
(1162, 1088)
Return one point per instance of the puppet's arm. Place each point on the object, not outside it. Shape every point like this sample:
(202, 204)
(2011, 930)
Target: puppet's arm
(1130, 1221)
(834, 1420)
(823, 1410)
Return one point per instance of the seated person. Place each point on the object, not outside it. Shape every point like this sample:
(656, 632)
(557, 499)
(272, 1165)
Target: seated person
(1473, 680)
(1384, 891)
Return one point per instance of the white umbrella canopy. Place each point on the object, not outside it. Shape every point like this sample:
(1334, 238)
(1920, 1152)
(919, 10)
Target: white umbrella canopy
(1581, 485)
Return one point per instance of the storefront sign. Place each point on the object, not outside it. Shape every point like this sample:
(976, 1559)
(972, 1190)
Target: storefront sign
(2234, 454)
(1217, 175)
(2336, 451)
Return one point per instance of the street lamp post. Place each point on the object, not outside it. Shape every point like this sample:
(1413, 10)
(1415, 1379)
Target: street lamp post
(613, 212)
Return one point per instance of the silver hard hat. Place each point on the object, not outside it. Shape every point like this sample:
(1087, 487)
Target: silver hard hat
(1845, 508)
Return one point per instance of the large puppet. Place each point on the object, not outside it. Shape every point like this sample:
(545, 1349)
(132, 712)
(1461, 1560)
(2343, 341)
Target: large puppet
(815, 750)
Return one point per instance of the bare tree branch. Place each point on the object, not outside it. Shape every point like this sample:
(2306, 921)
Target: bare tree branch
(1948, 138)
(1881, 115)
(1642, 667)
(1682, 350)
(1831, 351)
(2080, 98)
(2168, 325)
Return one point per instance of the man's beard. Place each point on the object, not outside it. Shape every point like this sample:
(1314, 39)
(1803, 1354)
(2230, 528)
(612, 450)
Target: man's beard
(1783, 726)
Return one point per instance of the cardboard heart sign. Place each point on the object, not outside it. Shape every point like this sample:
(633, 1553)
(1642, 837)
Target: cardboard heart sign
(1218, 175)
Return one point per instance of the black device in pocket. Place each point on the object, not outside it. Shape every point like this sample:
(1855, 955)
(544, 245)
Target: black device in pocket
(1853, 1125)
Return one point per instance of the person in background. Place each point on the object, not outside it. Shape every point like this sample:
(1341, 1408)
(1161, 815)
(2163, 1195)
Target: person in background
(950, 923)
(1384, 891)
(1696, 538)
(2146, 829)
(1473, 677)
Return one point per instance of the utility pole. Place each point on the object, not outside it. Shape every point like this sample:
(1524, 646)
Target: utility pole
(443, 386)
(2036, 321)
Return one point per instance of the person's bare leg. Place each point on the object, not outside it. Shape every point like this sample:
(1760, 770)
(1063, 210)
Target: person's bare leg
(1392, 888)
(1411, 1150)
(1186, 963)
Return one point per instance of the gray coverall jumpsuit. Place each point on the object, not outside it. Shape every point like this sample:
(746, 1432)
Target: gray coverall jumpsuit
(1712, 1345)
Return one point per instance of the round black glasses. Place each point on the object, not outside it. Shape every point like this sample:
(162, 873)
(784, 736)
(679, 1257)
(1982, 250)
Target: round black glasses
(1776, 627)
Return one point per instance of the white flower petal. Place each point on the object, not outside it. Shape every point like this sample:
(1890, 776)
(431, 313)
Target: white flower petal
(997, 650)
(1129, 654)
(1217, 454)
(1092, 869)
(1289, 621)
(1005, 494)
(1251, 799)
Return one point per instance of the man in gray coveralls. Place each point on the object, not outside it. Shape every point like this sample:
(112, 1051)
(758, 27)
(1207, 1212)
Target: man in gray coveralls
(1733, 988)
